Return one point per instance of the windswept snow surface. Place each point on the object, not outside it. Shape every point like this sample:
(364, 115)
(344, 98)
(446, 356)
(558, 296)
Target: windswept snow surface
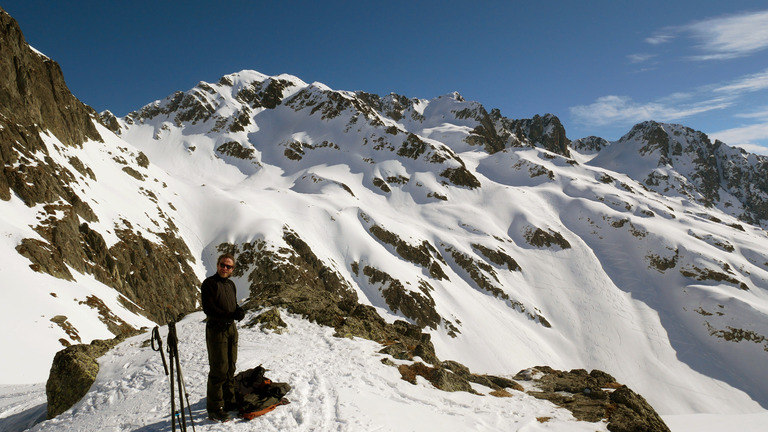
(337, 385)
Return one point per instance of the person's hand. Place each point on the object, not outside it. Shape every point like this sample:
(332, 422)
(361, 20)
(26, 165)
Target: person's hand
(239, 313)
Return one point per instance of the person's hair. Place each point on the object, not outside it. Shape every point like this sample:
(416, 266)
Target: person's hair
(224, 256)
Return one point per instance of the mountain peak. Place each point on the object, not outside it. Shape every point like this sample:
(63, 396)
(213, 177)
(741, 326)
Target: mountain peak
(676, 160)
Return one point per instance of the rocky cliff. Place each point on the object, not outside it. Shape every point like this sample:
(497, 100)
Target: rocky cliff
(33, 94)
(43, 128)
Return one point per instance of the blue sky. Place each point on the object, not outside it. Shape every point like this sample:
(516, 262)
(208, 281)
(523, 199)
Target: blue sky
(600, 66)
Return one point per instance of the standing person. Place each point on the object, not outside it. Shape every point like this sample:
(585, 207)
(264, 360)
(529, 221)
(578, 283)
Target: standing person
(219, 297)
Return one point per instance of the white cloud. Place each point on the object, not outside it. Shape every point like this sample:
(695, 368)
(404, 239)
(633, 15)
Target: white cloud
(721, 38)
(677, 97)
(732, 36)
(753, 138)
(661, 38)
(640, 58)
(752, 148)
(623, 110)
(749, 133)
(748, 83)
(757, 114)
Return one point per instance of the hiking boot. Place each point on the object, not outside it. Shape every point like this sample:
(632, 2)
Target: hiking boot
(219, 415)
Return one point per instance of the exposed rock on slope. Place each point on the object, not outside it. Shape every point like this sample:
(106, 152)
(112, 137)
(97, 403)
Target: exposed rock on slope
(34, 96)
(295, 279)
(590, 144)
(541, 131)
(154, 278)
(592, 397)
(680, 161)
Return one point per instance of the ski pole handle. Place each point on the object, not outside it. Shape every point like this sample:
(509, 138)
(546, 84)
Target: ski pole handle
(156, 338)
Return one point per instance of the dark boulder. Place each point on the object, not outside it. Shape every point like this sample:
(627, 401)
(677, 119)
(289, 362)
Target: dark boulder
(73, 371)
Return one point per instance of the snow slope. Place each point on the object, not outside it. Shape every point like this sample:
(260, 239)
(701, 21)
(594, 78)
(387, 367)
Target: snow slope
(338, 385)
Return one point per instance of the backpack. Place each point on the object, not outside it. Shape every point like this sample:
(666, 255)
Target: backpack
(256, 394)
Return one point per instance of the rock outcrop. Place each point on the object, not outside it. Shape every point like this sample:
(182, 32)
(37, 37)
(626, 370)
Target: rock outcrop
(590, 396)
(73, 372)
(541, 131)
(590, 144)
(33, 94)
(593, 396)
(33, 99)
(684, 162)
(294, 278)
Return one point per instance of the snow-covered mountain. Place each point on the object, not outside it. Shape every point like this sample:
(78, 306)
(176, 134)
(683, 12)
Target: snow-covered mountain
(506, 243)
(411, 192)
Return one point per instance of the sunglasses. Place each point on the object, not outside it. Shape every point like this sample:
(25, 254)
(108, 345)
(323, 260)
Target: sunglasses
(225, 266)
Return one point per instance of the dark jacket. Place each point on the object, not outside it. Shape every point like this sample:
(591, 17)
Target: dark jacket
(219, 299)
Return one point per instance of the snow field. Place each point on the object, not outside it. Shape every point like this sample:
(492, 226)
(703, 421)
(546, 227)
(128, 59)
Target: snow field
(338, 385)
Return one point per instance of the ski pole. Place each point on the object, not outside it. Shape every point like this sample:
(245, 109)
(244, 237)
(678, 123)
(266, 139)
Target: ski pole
(173, 396)
(156, 338)
(173, 342)
(186, 394)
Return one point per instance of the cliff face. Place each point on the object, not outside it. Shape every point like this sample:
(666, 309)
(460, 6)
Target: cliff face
(44, 132)
(34, 98)
(33, 94)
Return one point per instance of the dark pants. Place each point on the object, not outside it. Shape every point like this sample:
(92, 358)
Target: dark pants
(221, 340)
